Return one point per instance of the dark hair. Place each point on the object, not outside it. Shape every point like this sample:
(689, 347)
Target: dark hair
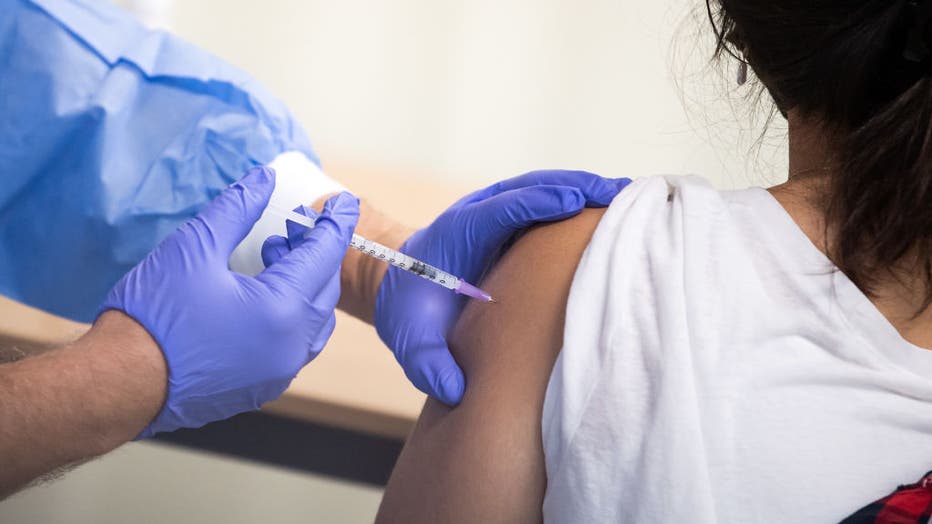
(853, 67)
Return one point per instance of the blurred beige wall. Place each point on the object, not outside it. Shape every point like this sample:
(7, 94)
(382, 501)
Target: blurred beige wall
(479, 90)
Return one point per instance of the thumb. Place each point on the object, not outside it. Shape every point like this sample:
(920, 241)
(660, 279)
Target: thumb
(432, 369)
(273, 249)
(308, 266)
(499, 217)
(228, 218)
(276, 246)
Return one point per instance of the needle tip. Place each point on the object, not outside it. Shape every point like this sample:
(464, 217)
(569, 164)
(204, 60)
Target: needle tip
(492, 301)
(465, 288)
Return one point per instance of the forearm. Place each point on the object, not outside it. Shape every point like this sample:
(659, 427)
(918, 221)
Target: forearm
(79, 401)
(361, 275)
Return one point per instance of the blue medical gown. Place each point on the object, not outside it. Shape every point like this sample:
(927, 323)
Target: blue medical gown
(111, 136)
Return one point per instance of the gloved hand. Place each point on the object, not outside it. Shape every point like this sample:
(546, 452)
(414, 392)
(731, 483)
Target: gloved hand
(413, 316)
(233, 342)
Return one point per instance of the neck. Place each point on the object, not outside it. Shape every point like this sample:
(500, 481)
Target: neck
(899, 295)
(809, 170)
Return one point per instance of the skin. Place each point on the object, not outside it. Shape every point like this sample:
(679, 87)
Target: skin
(361, 275)
(483, 461)
(79, 401)
(63, 406)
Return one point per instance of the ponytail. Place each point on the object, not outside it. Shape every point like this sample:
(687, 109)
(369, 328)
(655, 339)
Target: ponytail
(880, 198)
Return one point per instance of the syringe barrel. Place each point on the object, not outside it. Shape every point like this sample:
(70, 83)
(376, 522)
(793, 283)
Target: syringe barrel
(395, 258)
(402, 261)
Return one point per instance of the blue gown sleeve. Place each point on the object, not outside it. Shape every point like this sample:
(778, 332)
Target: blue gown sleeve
(111, 136)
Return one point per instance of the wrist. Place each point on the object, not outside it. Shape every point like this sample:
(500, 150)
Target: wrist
(361, 275)
(79, 401)
(130, 377)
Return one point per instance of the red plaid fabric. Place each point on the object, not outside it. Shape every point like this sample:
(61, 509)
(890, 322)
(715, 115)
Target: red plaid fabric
(909, 504)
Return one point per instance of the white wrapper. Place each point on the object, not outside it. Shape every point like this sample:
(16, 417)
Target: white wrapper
(298, 181)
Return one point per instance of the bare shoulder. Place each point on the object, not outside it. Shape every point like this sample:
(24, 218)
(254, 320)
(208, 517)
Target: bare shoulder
(483, 461)
(531, 285)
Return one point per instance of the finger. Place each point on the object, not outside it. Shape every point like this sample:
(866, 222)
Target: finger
(276, 246)
(273, 249)
(323, 302)
(308, 266)
(320, 341)
(432, 370)
(228, 218)
(499, 217)
(597, 190)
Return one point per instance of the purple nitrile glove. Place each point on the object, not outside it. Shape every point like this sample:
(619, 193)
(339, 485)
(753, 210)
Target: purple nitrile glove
(413, 316)
(233, 342)
(277, 246)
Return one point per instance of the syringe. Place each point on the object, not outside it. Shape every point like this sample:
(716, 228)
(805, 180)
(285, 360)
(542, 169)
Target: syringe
(395, 258)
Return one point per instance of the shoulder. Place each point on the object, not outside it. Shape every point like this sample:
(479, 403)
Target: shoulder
(530, 284)
(532, 281)
(483, 460)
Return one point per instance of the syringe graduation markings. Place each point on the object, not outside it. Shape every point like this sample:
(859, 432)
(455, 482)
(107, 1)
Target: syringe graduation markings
(395, 258)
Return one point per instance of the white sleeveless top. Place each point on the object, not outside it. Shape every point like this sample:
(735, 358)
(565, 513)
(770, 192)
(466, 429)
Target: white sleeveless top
(715, 369)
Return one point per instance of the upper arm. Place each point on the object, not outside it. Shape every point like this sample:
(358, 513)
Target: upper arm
(483, 460)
